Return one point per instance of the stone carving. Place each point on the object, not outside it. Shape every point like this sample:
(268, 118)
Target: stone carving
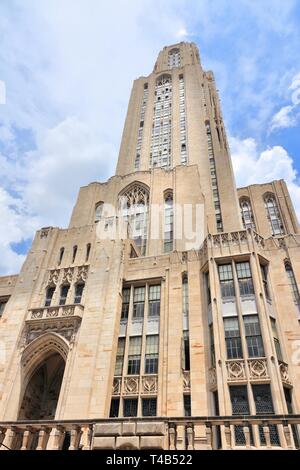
(235, 371)
(68, 276)
(52, 312)
(68, 310)
(116, 388)
(284, 373)
(186, 381)
(66, 327)
(82, 273)
(149, 384)
(258, 369)
(53, 277)
(131, 385)
(44, 232)
(35, 314)
(212, 377)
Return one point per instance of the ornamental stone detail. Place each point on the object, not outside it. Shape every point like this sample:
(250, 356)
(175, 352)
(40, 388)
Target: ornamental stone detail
(149, 384)
(131, 386)
(236, 370)
(258, 369)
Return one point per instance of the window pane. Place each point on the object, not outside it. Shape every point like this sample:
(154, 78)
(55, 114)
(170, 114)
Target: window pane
(114, 408)
(130, 407)
(149, 406)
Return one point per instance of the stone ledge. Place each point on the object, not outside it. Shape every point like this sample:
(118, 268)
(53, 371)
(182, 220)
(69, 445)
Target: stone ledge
(156, 428)
(107, 429)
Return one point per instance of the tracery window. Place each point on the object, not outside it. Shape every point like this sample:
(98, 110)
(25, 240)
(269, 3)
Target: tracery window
(98, 211)
(168, 228)
(174, 59)
(160, 155)
(273, 215)
(134, 208)
(247, 215)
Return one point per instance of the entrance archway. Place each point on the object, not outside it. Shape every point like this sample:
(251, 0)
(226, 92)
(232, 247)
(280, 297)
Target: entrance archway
(42, 391)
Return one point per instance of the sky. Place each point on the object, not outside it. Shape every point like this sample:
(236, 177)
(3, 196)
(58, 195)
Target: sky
(66, 71)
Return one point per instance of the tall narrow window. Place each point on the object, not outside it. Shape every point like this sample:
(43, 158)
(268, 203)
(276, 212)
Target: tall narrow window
(213, 176)
(154, 301)
(264, 405)
(273, 215)
(134, 203)
(264, 275)
(114, 407)
(186, 351)
(253, 336)
(61, 255)
(226, 280)
(151, 355)
(168, 232)
(160, 155)
(240, 406)
(187, 405)
(245, 278)
(182, 122)
(293, 283)
(174, 58)
(88, 251)
(134, 355)
(247, 215)
(233, 338)
(49, 294)
(98, 211)
(2, 306)
(149, 406)
(276, 339)
(120, 357)
(212, 345)
(64, 290)
(185, 294)
(125, 303)
(208, 292)
(74, 253)
(138, 303)
(78, 292)
(130, 406)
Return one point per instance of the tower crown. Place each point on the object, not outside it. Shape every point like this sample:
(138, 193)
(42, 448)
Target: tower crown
(177, 55)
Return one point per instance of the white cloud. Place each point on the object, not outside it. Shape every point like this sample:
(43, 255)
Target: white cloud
(182, 34)
(288, 115)
(253, 166)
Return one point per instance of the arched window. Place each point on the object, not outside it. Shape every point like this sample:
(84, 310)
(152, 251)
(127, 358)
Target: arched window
(273, 215)
(174, 59)
(160, 155)
(292, 282)
(74, 253)
(168, 228)
(88, 250)
(49, 294)
(247, 215)
(61, 254)
(78, 292)
(134, 202)
(64, 290)
(98, 211)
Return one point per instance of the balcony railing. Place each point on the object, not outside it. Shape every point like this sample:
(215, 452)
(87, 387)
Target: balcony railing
(71, 310)
(199, 433)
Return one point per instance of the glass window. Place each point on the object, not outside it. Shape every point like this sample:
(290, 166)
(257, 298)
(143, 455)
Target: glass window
(212, 345)
(154, 301)
(149, 406)
(120, 357)
(247, 215)
(138, 302)
(2, 307)
(74, 253)
(253, 336)
(78, 293)
(125, 303)
(134, 355)
(244, 278)
(233, 338)
(151, 354)
(130, 407)
(292, 282)
(61, 254)
(187, 405)
(264, 275)
(273, 215)
(88, 250)
(226, 280)
(63, 294)
(186, 351)
(114, 407)
(264, 405)
(240, 406)
(98, 211)
(168, 235)
(185, 295)
(276, 339)
(49, 294)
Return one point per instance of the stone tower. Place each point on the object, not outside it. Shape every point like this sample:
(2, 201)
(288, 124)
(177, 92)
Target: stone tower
(172, 297)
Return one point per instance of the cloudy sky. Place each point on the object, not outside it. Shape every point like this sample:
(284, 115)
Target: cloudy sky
(66, 70)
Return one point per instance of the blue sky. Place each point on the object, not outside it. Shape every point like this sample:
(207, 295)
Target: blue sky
(68, 68)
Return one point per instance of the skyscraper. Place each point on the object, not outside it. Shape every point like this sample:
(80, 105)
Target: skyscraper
(171, 299)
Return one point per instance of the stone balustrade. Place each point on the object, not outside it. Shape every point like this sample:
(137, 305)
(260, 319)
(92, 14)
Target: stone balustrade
(62, 311)
(201, 433)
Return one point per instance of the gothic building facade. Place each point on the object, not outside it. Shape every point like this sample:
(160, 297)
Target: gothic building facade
(142, 338)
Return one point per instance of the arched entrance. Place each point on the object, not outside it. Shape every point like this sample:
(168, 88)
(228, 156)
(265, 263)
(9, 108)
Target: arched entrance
(42, 392)
(43, 369)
